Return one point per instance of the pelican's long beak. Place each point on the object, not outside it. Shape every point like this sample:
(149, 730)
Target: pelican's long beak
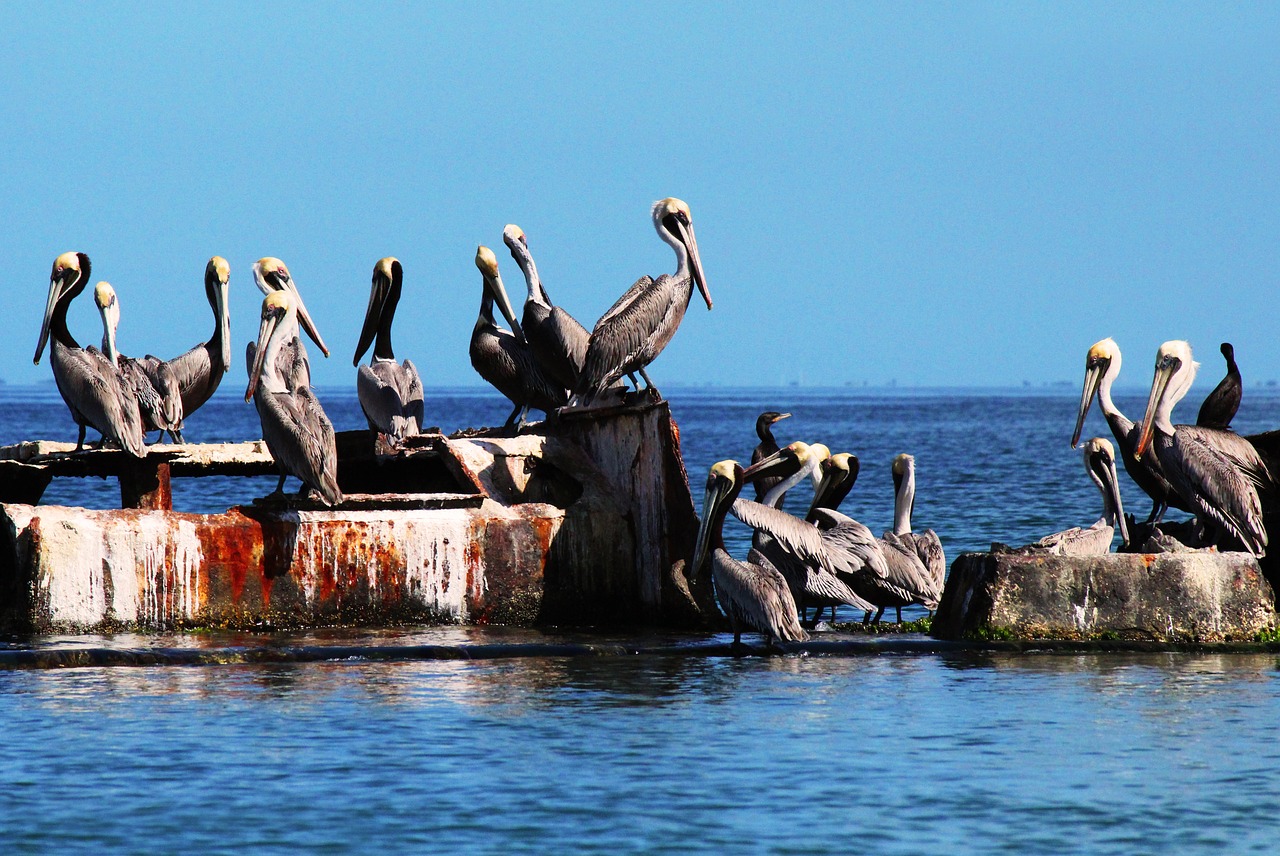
(222, 296)
(58, 284)
(785, 462)
(373, 315)
(1164, 372)
(304, 318)
(1092, 378)
(270, 321)
(1113, 487)
(494, 283)
(718, 487)
(829, 476)
(695, 261)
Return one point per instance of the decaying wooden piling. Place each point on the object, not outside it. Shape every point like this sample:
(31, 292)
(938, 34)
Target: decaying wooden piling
(1168, 597)
(580, 525)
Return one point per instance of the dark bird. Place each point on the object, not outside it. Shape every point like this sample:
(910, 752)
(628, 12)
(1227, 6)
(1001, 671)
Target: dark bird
(390, 393)
(502, 357)
(640, 324)
(296, 430)
(557, 340)
(199, 371)
(1220, 406)
(753, 593)
(1218, 473)
(766, 447)
(89, 384)
(149, 380)
(1095, 540)
(1101, 368)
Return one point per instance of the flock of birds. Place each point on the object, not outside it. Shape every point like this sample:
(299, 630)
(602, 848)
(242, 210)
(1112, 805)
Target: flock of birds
(547, 362)
(825, 559)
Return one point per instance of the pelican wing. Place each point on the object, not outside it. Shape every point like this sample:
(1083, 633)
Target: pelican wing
(928, 546)
(625, 300)
(755, 592)
(848, 538)
(300, 438)
(196, 378)
(391, 397)
(625, 338)
(792, 534)
(907, 573)
(165, 382)
(1221, 472)
(94, 390)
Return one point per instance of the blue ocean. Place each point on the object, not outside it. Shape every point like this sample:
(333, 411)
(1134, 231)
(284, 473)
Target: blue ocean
(895, 753)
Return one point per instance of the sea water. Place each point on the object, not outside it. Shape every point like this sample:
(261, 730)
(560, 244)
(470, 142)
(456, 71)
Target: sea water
(1030, 753)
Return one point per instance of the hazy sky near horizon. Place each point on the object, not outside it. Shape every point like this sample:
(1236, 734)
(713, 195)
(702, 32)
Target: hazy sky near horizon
(931, 194)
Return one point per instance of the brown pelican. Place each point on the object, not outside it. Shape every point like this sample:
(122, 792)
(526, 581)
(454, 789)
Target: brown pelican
(809, 575)
(1218, 473)
(502, 357)
(1220, 406)
(1100, 464)
(295, 428)
(558, 341)
(927, 545)
(753, 593)
(640, 324)
(766, 447)
(390, 393)
(199, 371)
(149, 380)
(1101, 368)
(88, 383)
(270, 274)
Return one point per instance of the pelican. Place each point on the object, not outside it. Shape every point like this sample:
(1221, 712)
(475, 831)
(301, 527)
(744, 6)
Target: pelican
(640, 324)
(88, 383)
(502, 357)
(1101, 368)
(752, 593)
(1100, 464)
(390, 394)
(558, 341)
(927, 545)
(295, 428)
(150, 381)
(199, 371)
(809, 575)
(1218, 473)
(766, 447)
(1220, 406)
(270, 274)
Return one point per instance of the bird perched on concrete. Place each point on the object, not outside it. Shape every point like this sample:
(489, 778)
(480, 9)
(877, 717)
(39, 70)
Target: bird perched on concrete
(149, 380)
(1095, 540)
(390, 393)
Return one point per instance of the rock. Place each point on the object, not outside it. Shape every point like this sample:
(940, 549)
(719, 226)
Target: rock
(1184, 596)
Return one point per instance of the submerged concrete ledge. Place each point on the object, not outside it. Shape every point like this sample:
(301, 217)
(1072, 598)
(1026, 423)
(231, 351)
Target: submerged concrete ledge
(1196, 596)
(64, 658)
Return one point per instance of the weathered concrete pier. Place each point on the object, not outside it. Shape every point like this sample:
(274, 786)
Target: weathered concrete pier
(1194, 596)
(580, 525)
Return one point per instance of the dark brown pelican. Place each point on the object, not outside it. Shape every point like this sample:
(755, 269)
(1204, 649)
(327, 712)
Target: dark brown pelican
(270, 274)
(640, 324)
(1095, 540)
(809, 575)
(1220, 406)
(149, 380)
(766, 447)
(390, 393)
(558, 341)
(199, 371)
(753, 593)
(294, 426)
(1218, 473)
(89, 384)
(503, 357)
(1101, 368)
(927, 545)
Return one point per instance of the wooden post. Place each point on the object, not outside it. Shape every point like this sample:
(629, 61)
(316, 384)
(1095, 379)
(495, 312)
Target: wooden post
(145, 484)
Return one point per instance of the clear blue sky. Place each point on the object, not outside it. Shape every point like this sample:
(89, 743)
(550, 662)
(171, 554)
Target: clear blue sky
(962, 194)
